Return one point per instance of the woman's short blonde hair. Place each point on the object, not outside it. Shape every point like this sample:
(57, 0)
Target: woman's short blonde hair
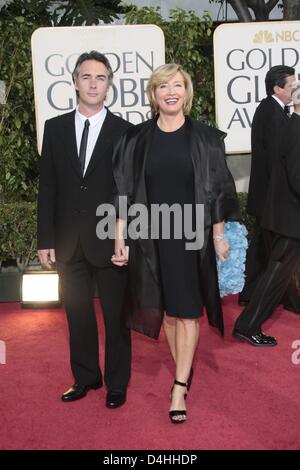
(161, 75)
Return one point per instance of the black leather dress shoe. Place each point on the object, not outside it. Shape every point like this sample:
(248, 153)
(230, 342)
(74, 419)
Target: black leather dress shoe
(115, 399)
(259, 339)
(79, 391)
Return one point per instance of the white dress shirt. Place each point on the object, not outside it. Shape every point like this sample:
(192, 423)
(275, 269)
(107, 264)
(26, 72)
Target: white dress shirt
(96, 122)
(278, 101)
(283, 105)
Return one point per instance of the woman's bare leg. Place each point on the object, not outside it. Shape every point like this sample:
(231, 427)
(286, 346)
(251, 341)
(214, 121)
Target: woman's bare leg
(169, 325)
(186, 340)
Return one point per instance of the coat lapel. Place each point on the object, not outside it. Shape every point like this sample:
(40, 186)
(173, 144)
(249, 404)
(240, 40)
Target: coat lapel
(142, 151)
(105, 138)
(199, 150)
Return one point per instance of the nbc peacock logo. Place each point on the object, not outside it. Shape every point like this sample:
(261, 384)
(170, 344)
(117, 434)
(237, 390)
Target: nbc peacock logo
(263, 36)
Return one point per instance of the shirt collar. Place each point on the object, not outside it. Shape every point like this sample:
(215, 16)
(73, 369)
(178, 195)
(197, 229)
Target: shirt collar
(278, 101)
(94, 120)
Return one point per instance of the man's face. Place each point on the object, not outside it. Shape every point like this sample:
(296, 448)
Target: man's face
(285, 93)
(92, 84)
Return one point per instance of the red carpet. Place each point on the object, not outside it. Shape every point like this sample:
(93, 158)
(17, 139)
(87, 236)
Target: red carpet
(241, 397)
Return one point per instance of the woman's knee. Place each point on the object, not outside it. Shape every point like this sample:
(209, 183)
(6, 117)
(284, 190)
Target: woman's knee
(188, 322)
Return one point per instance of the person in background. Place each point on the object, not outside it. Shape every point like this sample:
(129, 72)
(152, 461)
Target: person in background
(268, 128)
(174, 159)
(281, 216)
(75, 178)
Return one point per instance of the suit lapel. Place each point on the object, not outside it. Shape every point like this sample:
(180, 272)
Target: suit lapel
(70, 136)
(104, 139)
(277, 106)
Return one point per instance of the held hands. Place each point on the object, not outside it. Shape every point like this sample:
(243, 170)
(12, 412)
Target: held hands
(221, 248)
(47, 257)
(121, 255)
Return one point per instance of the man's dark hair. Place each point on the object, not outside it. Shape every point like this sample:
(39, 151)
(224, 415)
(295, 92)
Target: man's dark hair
(277, 75)
(93, 55)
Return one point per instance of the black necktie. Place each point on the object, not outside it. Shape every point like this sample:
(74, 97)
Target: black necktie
(287, 110)
(83, 145)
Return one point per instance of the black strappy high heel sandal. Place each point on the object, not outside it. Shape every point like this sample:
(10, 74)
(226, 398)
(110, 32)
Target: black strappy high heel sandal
(188, 384)
(175, 414)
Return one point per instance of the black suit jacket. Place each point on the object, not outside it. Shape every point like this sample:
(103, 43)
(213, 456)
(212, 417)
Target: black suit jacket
(67, 202)
(268, 128)
(282, 211)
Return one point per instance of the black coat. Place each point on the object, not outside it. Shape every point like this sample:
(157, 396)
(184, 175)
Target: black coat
(268, 128)
(214, 187)
(67, 201)
(282, 211)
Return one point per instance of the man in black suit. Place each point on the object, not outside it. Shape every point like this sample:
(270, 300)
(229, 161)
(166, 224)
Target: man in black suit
(281, 217)
(75, 178)
(268, 128)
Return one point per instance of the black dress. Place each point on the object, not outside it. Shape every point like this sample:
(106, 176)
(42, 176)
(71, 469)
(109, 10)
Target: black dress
(170, 180)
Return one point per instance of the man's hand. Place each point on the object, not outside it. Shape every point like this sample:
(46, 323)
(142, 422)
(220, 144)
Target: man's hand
(47, 257)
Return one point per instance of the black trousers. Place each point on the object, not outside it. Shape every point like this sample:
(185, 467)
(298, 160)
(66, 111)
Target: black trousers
(283, 260)
(256, 263)
(77, 278)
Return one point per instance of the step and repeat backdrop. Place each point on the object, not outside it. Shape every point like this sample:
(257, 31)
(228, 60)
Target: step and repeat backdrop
(243, 53)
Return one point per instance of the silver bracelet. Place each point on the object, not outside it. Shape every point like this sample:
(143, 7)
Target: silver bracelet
(218, 237)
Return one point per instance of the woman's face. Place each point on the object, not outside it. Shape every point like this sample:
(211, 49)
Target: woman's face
(171, 95)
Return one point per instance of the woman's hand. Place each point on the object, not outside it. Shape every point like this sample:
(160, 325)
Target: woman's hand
(221, 248)
(121, 254)
(220, 242)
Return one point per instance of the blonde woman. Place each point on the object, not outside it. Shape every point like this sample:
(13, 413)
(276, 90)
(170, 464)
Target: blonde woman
(173, 159)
